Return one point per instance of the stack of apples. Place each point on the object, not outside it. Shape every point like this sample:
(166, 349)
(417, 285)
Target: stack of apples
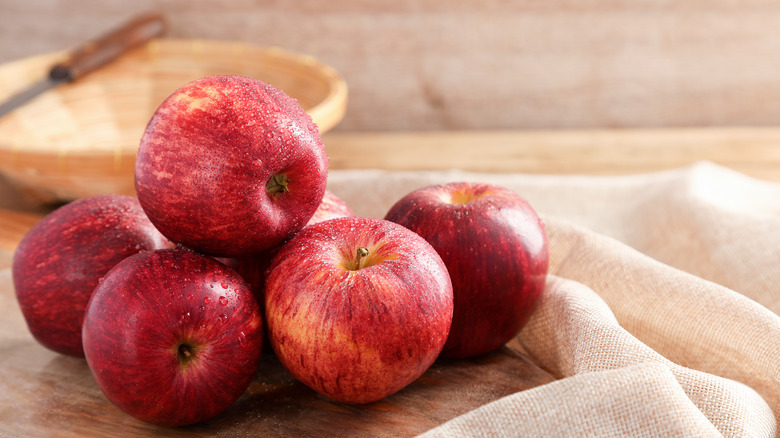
(234, 241)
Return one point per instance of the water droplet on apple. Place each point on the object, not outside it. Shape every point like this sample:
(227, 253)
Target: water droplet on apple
(224, 285)
(207, 300)
(223, 301)
(190, 297)
(222, 318)
(242, 338)
(202, 308)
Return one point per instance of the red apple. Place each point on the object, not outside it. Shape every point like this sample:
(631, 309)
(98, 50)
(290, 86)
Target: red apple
(331, 207)
(495, 248)
(172, 337)
(252, 267)
(230, 166)
(357, 308)
(60, 260)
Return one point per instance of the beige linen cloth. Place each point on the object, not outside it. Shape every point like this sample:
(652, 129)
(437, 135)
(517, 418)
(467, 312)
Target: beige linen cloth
(660, 316)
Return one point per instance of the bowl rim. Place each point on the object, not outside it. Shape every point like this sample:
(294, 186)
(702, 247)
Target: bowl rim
(326, 114)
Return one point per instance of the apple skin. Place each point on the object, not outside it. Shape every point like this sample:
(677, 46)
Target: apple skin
(172, 337)
(357, 335)
(331, 207)
(495, 248)
(252, 267)
(230, 166)
(60, 260)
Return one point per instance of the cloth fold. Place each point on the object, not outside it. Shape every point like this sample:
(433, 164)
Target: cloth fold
(660, 316)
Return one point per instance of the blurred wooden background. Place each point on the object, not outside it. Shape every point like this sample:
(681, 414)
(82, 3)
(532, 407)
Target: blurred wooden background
(482, 64)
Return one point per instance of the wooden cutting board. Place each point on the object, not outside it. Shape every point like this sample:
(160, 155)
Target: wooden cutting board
(45, 394)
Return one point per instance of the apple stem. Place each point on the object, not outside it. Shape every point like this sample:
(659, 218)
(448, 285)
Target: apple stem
(278, 184)
(185, 353)
(360, 258)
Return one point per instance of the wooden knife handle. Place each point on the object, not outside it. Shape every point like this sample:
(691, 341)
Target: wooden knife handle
(107, 48)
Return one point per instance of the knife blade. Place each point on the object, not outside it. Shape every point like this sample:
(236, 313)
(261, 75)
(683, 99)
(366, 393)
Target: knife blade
(91, 56)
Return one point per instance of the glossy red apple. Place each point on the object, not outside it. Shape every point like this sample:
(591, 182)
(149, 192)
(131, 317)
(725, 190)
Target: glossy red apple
(495, 248)
(60, 260)
(357, 308)
(331, 207)
(252, 267)
(230, 166)
(172, 337)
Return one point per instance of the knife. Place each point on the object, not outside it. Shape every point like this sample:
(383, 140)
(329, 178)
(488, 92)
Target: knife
(92, 56)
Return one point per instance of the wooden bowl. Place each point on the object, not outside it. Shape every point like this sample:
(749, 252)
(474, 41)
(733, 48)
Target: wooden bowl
(81, 139)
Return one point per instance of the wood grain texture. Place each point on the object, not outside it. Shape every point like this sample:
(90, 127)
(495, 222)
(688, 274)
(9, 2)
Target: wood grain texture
(753, 151)
(473, 64)
(13, 225)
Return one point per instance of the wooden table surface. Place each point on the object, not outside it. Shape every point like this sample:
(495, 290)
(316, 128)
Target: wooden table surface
(46, 394)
